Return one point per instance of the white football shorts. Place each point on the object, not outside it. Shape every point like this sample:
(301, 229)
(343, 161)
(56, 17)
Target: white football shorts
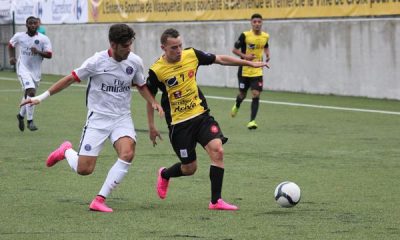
(99, 127)
(27, 81)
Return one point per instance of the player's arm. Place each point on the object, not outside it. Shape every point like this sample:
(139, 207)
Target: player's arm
(267, 53)
(232, 61)
(144, 91)
(11, 54)
(41, 53)
(239, 51)
(55, 88)
(152, 90)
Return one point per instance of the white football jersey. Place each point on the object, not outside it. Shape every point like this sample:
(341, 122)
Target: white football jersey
(109, 82)
(29, 64)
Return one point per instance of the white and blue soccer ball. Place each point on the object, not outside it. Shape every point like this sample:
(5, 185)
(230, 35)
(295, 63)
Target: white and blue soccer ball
(287, 194)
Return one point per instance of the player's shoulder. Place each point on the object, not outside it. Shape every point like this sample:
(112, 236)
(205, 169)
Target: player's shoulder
(42, 36)
(265, 34)
(133, 57)
(20, 34)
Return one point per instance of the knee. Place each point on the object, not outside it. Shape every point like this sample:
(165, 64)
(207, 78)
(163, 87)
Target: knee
(218, 152)
(189, 169)
(84, 171)
(30, 92)
(127, 156)
(242, 95)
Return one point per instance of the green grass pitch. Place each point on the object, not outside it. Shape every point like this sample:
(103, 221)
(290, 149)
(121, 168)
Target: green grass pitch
(347, 164)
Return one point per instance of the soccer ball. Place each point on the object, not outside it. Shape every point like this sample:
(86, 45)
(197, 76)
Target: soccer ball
(287, 194)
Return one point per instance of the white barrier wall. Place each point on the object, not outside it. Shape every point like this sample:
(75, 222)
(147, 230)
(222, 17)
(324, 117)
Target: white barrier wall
(357, 57)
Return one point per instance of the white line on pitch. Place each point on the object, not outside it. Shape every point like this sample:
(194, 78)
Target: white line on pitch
(262, 101)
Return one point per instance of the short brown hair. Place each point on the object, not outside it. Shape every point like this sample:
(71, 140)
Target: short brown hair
(170, 32)
(120, 33)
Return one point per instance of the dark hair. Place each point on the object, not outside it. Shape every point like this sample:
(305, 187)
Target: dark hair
(30, 18)
(169, 33)
(120, 33)
(256, 15)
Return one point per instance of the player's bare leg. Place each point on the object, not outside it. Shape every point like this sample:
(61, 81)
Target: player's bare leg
(216, 152)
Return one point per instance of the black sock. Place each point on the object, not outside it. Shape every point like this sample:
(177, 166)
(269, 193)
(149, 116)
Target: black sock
(29, 121)
(254, 108)
(216, 177)
(238, 101)
(173, 171)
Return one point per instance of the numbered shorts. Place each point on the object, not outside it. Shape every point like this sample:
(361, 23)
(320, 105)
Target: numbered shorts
(185, 136)
(99, 128)
(254, 83)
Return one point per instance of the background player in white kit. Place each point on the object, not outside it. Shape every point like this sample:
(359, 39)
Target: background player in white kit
(111, 74)
(33, 47)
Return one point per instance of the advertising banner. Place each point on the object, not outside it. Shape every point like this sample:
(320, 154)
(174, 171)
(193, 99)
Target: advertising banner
(205, 10)
(5, 13)
(51, 11)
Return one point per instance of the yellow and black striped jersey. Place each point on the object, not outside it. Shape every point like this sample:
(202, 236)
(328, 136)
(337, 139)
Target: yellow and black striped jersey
(181, 97)
(250, 43)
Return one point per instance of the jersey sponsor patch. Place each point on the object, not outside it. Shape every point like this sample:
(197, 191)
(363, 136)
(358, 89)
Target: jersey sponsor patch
(183, 153)
(172, 82)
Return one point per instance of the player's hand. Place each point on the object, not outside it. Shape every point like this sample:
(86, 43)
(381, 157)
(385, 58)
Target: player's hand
(30, 101)
(34, 50)
(259, 64)
(153, 134)
(13, 61)
(159, 109)
(250, 57)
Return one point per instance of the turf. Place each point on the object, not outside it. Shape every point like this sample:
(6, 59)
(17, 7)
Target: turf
(345, 162)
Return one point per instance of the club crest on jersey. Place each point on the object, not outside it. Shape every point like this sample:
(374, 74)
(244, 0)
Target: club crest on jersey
(172, 82)
(191, 73)
(36, 41)
(26, 83)
(88, 147)
(129, 70)
(214, 129)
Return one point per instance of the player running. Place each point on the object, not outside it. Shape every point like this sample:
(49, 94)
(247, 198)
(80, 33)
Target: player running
(111, 75)
(187, 113)
(33, 47)
(250, 46)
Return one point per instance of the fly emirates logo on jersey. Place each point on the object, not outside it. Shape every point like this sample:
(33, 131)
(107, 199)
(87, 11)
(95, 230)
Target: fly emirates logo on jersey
(118, 86)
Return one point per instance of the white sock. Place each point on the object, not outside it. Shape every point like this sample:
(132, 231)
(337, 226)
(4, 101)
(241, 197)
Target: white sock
(72, 157)
(114, 177)
(29, 110)
(22, 110)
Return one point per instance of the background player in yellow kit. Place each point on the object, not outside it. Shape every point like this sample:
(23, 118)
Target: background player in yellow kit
(250, 46)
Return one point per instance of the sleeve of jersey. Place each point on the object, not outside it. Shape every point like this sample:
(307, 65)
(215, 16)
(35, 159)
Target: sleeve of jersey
(240, 42)
(84, 71)
(152, 81)
(13, 41)
(47, 46)
(139, 79)
(204, 57)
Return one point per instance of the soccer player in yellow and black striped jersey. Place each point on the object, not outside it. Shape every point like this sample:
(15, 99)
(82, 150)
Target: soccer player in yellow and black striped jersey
(251, 46)
(187, 113)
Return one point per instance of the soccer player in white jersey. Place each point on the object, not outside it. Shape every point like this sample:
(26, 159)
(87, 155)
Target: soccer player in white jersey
(110, 74)
(33, 47)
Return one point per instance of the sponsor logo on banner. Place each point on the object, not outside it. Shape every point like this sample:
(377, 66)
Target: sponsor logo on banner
(51, 11)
